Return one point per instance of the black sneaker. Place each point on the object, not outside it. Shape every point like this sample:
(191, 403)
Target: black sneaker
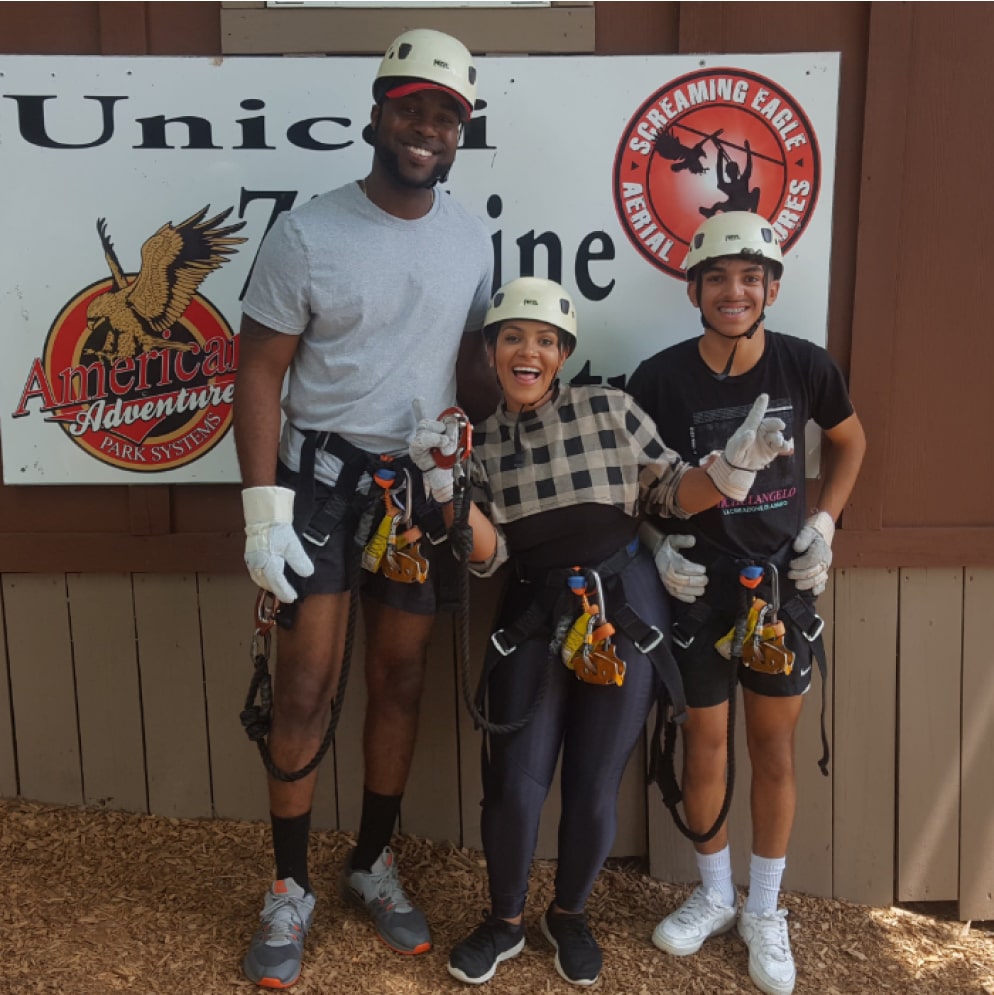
(475, 959)
(578, 958)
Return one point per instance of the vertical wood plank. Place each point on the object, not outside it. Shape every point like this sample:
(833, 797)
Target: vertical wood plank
(809, 857)
(431, 800)
(172, 677)
(928, 786)
(42, 687)
(108, 692)
(227, 623)
(865, 735)
(8, 759)
(976, 856)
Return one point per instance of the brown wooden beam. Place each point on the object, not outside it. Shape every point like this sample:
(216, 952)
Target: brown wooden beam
(222, 551)
(116, 553)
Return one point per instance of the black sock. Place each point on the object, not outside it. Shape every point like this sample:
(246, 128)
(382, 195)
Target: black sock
(290, 838)
(379, 816)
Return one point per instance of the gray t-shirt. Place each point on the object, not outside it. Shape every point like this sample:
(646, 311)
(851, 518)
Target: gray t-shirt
(381, 305)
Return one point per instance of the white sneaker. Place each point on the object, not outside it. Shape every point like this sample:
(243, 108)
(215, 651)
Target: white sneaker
(703, 915)
(771, 964)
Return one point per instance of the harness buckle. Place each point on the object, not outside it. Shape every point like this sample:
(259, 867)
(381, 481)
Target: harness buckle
(680, 638)
(315, 537)
(656, 637)
(501, 643)
(814, 630)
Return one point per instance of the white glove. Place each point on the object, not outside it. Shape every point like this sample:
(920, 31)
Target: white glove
(270, 541)
(682, 578)
(443, 436)
(756, 443)
(809, 572)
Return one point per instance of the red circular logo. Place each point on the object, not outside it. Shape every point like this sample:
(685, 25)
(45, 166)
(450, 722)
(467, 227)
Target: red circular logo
(713, 141)
(146, 410)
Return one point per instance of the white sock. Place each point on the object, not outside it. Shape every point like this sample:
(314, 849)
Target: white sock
(716, 873)
(765, 874)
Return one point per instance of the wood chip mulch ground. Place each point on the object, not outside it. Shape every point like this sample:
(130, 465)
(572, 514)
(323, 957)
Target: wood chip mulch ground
(100, 902)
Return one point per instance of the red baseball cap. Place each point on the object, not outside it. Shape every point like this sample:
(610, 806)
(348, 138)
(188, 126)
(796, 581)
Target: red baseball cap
(417, 85)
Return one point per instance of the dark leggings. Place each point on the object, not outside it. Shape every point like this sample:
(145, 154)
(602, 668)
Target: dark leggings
(597, 727)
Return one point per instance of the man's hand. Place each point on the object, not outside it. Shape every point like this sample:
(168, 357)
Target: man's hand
(682, 578)
(756, 443)
(809, 572)
(432, 434)
(270, 541)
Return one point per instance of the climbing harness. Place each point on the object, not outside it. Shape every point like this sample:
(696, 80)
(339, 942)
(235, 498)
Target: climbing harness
(661, 770)
(757, 641)
(315, 521)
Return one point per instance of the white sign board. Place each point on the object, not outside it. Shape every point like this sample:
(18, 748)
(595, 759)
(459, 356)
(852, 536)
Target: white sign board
(590, 170)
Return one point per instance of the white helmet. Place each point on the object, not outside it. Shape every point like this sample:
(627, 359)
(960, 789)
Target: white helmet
(536, 299)
(426, 59)
(736, 233)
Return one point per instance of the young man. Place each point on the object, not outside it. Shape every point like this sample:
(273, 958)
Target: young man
(693, 391)
(368, 297)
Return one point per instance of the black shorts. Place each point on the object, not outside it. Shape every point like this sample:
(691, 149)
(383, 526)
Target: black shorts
(707, 674)
(335, 560)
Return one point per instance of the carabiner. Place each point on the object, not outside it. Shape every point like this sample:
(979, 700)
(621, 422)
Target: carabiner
(464, 438)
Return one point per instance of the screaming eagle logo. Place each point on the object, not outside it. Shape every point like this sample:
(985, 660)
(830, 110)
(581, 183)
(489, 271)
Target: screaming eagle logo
(712, 141)
(139, 370)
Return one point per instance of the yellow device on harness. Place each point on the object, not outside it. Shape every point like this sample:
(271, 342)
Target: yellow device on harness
(397, 556)
(763, 649)
(587, 648)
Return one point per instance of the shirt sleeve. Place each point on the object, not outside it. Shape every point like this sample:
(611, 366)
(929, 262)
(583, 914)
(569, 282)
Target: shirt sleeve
(660, 468)
(481, 497)
(278, 296)
(830, 402)
(481, 299)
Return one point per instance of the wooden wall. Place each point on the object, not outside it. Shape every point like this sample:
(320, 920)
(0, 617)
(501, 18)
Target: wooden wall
(126, 615)
(125, 693)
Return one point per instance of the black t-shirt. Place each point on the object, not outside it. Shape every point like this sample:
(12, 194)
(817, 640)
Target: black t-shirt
(696, 414)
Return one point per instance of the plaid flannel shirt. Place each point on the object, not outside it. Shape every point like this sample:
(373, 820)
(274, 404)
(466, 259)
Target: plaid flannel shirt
(587, 445)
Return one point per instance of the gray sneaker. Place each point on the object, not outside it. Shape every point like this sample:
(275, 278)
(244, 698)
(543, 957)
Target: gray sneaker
(400, 923)
(273, 958)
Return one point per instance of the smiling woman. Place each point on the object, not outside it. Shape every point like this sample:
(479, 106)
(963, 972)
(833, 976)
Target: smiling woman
(561, 476)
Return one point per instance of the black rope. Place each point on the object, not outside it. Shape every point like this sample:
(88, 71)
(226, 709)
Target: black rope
(257, 719)
(673, 797)
(461, 538)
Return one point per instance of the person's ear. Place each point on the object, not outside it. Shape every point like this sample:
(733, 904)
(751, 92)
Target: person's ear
(772, 292)
(692, 293)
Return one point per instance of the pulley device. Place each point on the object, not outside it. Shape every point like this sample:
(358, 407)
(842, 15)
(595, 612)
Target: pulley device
(587, 647)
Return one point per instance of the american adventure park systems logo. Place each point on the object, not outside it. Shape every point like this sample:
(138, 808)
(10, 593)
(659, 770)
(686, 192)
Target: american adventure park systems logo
(138, 370)
(707, 142)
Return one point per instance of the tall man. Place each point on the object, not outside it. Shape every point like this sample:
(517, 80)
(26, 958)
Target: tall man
(370, 296)
(695, 391)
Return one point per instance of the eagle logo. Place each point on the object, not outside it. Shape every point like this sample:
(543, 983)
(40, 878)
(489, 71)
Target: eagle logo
(138, 315)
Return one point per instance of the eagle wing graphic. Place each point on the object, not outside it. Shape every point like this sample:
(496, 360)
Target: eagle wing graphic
(175, 261)
(120, 280)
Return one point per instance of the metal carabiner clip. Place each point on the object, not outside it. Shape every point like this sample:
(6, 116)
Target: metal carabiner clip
(464, 438)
